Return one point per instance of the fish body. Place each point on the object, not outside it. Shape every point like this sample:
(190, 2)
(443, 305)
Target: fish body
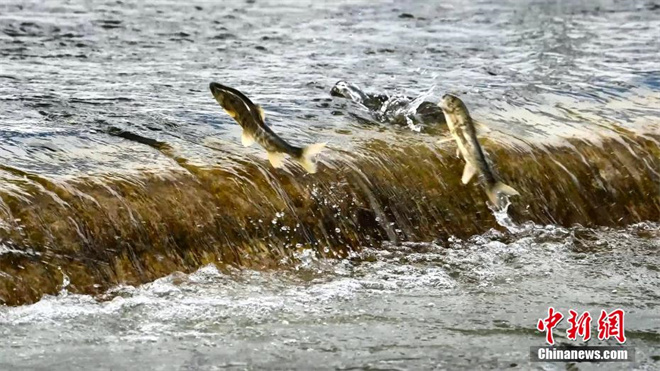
(463, 131)
(251, 118)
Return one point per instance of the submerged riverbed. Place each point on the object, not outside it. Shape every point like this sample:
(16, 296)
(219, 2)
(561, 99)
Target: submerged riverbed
(137, 232)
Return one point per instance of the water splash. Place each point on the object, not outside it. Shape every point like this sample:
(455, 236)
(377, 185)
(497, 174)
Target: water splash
(307, 259)
(398, 107)
(65, 283)
(503, 219)
(414, 105)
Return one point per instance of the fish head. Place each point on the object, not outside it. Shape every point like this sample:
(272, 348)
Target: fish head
(339, 90)
(451, 104)
(232, 101)
(347, 90)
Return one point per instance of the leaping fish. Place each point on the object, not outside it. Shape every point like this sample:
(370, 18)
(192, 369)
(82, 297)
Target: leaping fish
(251, 118)
(464, 133)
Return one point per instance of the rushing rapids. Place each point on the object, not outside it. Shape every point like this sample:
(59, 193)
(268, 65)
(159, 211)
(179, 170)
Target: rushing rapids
(137, 232)
(108, 230)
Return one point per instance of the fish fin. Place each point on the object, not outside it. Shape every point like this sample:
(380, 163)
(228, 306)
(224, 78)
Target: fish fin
(247, 139)
(468, 173)
(480, 128)
(261, 113)
(499, 187)
(230, 113)
(275, 159)
(308, 153)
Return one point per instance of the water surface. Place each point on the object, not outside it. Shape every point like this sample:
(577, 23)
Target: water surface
(118, 170)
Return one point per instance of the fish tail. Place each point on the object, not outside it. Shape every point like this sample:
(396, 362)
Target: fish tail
(307, 155)
(497, 188)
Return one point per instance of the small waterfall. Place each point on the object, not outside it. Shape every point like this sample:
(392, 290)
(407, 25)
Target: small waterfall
(119, 228)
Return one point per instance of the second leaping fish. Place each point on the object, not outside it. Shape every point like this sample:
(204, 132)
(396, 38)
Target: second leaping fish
(463, 131)
(251, 118)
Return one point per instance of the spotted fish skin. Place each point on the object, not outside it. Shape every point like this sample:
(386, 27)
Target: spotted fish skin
(251, 118)
(463, 132)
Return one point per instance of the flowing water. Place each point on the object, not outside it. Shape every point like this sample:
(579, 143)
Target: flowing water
(137, 233)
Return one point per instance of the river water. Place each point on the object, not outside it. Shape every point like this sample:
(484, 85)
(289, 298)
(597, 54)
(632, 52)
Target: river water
(137, 233)
(472, 304)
